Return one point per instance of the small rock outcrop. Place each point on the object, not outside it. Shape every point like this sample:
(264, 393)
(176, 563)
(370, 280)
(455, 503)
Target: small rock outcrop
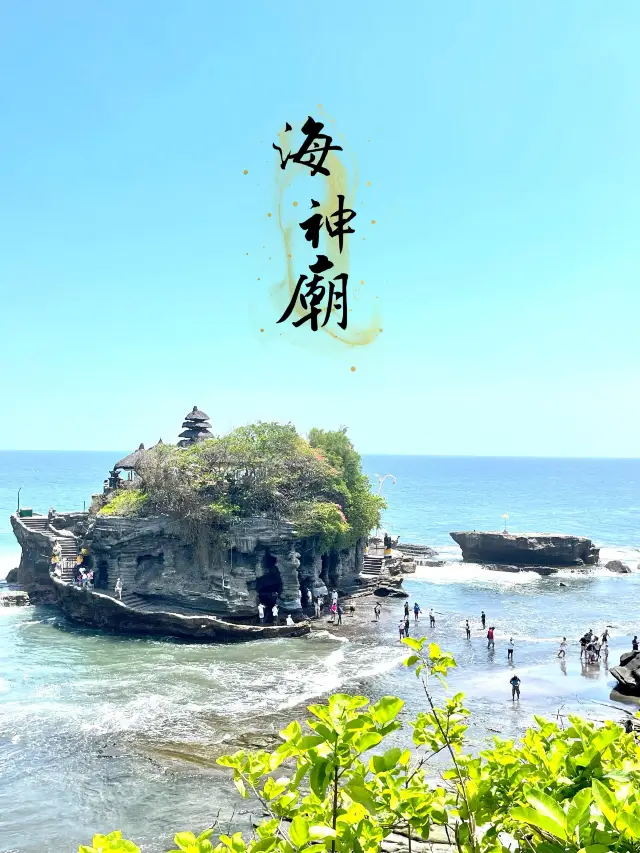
(628, 673)
(12, 576)
(618, 566)
(13, 598)
(526, 549)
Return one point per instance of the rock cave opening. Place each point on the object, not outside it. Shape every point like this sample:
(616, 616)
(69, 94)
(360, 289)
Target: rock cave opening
(269, 585)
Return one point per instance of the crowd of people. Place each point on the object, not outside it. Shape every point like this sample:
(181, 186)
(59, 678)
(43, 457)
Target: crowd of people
(315, 603)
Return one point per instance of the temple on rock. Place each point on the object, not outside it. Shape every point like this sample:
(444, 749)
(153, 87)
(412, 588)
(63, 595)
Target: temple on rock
(196, 427)
(202, 582)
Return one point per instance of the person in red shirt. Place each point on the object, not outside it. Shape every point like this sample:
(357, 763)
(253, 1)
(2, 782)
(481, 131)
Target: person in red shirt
(490, 640)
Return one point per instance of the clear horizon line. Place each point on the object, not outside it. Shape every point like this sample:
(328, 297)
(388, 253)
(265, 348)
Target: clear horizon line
(366, 453)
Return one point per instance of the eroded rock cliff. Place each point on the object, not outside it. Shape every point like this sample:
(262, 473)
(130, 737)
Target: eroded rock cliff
(526, 549)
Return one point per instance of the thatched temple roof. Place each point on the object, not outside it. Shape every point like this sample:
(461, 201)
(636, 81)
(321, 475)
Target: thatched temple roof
(129, 462)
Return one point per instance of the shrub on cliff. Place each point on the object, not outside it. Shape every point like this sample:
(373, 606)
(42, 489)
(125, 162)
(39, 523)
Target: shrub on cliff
(126, 502)
(262, 469)
(560, 790)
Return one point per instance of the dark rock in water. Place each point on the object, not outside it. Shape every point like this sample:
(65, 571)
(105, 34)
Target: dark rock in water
(526, 549)
(618, 566)
(12, 576)
(389, 591)
(628, 673)
(500, 567)
(416, 550)
(14, 598)
(561, 584)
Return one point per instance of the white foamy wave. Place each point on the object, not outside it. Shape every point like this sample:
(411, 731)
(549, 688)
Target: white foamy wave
(473, 573)
(628, 555)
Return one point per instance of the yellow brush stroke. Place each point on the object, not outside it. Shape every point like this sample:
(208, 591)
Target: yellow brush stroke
(336, 183)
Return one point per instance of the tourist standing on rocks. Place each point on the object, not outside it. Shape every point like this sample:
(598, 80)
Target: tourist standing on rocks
(261, 613)
(562, 651)
(406, 626)
(510, 648)
(339, 611)
(317, 607)
(484, 619)
(334, 596)
(289, 619)
(467, 628)
(416, 611)
(376, 611)
(634, 644)
(406, 608)
(515, 688)
(490, 640)
(309, 598)
(274, 613)
(334, 610)
(118, 589)
(432, 618)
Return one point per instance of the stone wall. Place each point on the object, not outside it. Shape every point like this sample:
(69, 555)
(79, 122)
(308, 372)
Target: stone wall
(265, 561)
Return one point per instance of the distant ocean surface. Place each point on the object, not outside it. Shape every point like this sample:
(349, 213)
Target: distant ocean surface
(432, 495)
(101, 731)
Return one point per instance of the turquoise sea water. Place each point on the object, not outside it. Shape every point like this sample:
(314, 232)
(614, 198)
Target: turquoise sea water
(91, 724)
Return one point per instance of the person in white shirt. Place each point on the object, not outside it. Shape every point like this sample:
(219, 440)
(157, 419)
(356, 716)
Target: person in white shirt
(289, 619)
(274, 613)
(334, 596)
(432, 618)
(510, 648)
(562, 651)
(118, 589)
(261, 612)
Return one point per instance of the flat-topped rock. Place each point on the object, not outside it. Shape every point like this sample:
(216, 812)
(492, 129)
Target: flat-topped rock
(526, 549)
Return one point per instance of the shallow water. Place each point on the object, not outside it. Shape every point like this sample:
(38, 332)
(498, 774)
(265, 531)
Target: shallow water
(99, 731)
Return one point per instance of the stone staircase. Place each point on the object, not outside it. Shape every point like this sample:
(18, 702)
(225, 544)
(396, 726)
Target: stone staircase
(372, 567)
(68, 546)
(148, 605)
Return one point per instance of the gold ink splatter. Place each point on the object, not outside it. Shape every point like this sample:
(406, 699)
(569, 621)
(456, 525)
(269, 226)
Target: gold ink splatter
(295, 203)
(268, 214)
(353, 370)
(361, 281)
(262, 330)
(319, 106)
(368, 183)
(379, 330)
(246, 172)
(373, 222)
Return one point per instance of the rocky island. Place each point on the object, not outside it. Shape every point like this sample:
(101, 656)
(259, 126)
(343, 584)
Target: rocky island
(555, 550)
(201, 533)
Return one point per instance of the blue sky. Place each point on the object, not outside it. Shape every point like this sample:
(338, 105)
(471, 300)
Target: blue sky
(501, 141)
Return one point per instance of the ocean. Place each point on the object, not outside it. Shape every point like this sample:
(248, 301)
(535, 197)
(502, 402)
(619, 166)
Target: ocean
(99, 731)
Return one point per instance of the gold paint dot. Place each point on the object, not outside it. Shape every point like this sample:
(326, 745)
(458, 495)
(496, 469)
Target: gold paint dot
(368, 183)
(361, 281)
(262, 330)
(353, 370)
(268, 214)
(288, 256)
(295, 203)
(319, 106)
(246, 172)
(373, 222)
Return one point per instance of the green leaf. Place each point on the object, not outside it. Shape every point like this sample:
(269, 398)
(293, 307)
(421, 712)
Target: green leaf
(264, 844)
(411, 660)
(319, 830)
(184, 840)
(547, 806)
(207, 833)
(386, 709)
(578, 807)
(605, 801)
(299, 831)
(361, 794)
(241, 788)
(525, 814)
(391, 757)
(319, 777)
(628, 821)
(413, 644)
(366, 741)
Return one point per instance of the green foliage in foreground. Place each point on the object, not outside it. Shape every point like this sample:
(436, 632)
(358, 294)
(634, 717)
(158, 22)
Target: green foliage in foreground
(262, 469)
(332, 788)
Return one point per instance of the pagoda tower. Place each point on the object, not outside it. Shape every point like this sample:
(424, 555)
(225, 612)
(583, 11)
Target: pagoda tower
(196, 427)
